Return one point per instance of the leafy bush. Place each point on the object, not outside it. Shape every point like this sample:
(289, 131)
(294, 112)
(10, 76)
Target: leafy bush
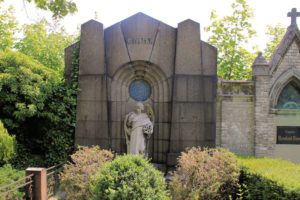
(39, 108)
(205, 174)
(7, 145)
(7, 176)
(86, 163)
(129, 177)
(268, 178)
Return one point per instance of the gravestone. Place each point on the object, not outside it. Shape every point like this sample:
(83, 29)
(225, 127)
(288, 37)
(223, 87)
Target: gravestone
(143, 59)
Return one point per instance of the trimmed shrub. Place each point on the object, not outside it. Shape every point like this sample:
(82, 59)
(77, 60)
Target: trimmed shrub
(86, 163)
(7, 145)
(205, 174)
(129, 177)
(9, 175)
(267, 178)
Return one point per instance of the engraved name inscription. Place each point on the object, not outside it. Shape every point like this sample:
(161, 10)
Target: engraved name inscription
(141, 40)
(288, 135)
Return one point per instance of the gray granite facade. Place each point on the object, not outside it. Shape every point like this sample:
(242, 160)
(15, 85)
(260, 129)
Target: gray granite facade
(179, 68)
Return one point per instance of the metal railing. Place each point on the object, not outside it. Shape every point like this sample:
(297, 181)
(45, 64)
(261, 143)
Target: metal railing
(28, 183)
(53, 179)
(40, 184)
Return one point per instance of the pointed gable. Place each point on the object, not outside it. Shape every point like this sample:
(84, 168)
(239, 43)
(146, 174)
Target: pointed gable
(140, 37)
(292, 35)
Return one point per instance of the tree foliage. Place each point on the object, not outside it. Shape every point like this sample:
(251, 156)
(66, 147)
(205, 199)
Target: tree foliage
(45, 45)
(230, 34)
(275, 35)
(38, 107)
(59, 8)
(7, 145)
(8, 28)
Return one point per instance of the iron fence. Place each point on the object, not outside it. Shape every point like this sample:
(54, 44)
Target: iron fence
(6, 192)
(53, 179)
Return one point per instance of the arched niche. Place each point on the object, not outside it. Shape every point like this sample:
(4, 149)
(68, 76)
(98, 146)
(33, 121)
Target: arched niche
(289, 98)
(121, 103)
(285, 101)
(140, 70)
(291, 76)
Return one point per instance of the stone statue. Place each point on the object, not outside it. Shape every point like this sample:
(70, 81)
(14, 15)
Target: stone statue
(138, 129)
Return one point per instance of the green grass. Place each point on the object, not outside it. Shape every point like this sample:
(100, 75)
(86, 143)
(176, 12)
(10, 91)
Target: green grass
(285, 173)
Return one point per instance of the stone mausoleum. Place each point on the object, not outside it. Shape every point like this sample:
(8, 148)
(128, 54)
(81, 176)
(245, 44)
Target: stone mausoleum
(175, 72)
(261, 116)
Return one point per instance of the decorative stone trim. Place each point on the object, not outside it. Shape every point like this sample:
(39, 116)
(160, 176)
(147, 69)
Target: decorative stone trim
(292, 73)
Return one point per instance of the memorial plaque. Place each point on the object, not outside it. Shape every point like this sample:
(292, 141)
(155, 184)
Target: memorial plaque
(288, 135)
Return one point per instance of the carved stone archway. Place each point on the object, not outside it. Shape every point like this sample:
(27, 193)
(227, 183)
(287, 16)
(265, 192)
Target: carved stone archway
(120, 103)
(292, 74)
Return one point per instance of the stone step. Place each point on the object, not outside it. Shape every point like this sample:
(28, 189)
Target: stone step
(161, 167)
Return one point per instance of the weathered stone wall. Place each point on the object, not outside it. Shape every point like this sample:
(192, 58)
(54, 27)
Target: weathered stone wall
(140, 48)
(179, 68)
(235, 116)
(290, 59)
(91, 112)
(69, 56)
(264, 120)
(194, 92)
(287, 70)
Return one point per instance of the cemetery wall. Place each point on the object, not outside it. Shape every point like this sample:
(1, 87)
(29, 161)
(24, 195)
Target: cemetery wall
(235, 116)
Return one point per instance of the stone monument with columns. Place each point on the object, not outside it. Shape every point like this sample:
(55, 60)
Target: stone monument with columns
(141, 59)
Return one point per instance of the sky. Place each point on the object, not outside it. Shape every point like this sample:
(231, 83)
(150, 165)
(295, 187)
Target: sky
(172, 12)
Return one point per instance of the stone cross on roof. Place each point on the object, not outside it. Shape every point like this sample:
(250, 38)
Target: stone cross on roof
(293, 14)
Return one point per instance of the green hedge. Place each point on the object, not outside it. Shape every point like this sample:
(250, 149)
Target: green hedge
(267, 178)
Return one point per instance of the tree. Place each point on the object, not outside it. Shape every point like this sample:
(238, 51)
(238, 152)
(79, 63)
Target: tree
(275, 36)
(37, 107)
(45, 45)
(229, 35)
(59, 8)
(8, 28)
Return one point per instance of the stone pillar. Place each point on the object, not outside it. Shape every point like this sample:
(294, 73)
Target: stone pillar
(262, 119)
(194, 92)
(68, 60)
(39, 190)
(91, 112)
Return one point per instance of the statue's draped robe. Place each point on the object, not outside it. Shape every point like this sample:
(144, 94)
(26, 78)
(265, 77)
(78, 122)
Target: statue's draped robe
(137, 143)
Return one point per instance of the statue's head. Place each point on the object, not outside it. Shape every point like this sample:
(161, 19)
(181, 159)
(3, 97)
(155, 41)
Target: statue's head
(140, 106)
